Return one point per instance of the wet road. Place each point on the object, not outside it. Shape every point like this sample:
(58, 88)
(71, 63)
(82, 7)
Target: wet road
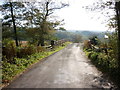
(68, 68)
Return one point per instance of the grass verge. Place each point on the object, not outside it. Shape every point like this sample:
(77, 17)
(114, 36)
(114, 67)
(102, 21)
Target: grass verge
(11, 71)
(104, 63)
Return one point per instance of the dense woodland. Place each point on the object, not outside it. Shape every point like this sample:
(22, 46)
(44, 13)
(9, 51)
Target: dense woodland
(28, 29)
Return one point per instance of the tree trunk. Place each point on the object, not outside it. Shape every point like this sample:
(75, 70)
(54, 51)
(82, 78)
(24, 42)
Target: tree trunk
(41, 42)
(14, 26)
(117, 5)
(118, 26)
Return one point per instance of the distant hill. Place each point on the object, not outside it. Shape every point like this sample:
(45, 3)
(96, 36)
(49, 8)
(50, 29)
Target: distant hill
(86, 34)
(69, 34)
(84, 31)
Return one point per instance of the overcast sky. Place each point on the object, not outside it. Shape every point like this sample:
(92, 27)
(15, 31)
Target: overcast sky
(78, 18)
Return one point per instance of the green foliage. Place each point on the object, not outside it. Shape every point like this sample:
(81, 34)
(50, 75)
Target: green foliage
(106, 59)
(40, 49)
(35, 30)
(93, 56)
(9, 50)
(10, 70)
(103, 61)
(94, 40)
(113, 42)
(36, 26)
(74, 37)
(27, 50)
(62, 28)
(107, 63)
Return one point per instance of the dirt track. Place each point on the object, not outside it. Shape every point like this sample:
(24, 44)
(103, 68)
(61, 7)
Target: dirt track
(68, 68)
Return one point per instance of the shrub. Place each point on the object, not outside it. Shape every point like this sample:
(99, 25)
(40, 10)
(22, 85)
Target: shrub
(9, 49)
(87, 44)
(94, 57)
(8, 71)
(88, 54)
(25, 51)
(21, 62)
(40, 49)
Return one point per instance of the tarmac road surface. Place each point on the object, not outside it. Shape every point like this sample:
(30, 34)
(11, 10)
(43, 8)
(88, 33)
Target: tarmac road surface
(68, 68)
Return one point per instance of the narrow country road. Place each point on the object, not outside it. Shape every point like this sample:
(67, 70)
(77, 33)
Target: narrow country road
(68, 68)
